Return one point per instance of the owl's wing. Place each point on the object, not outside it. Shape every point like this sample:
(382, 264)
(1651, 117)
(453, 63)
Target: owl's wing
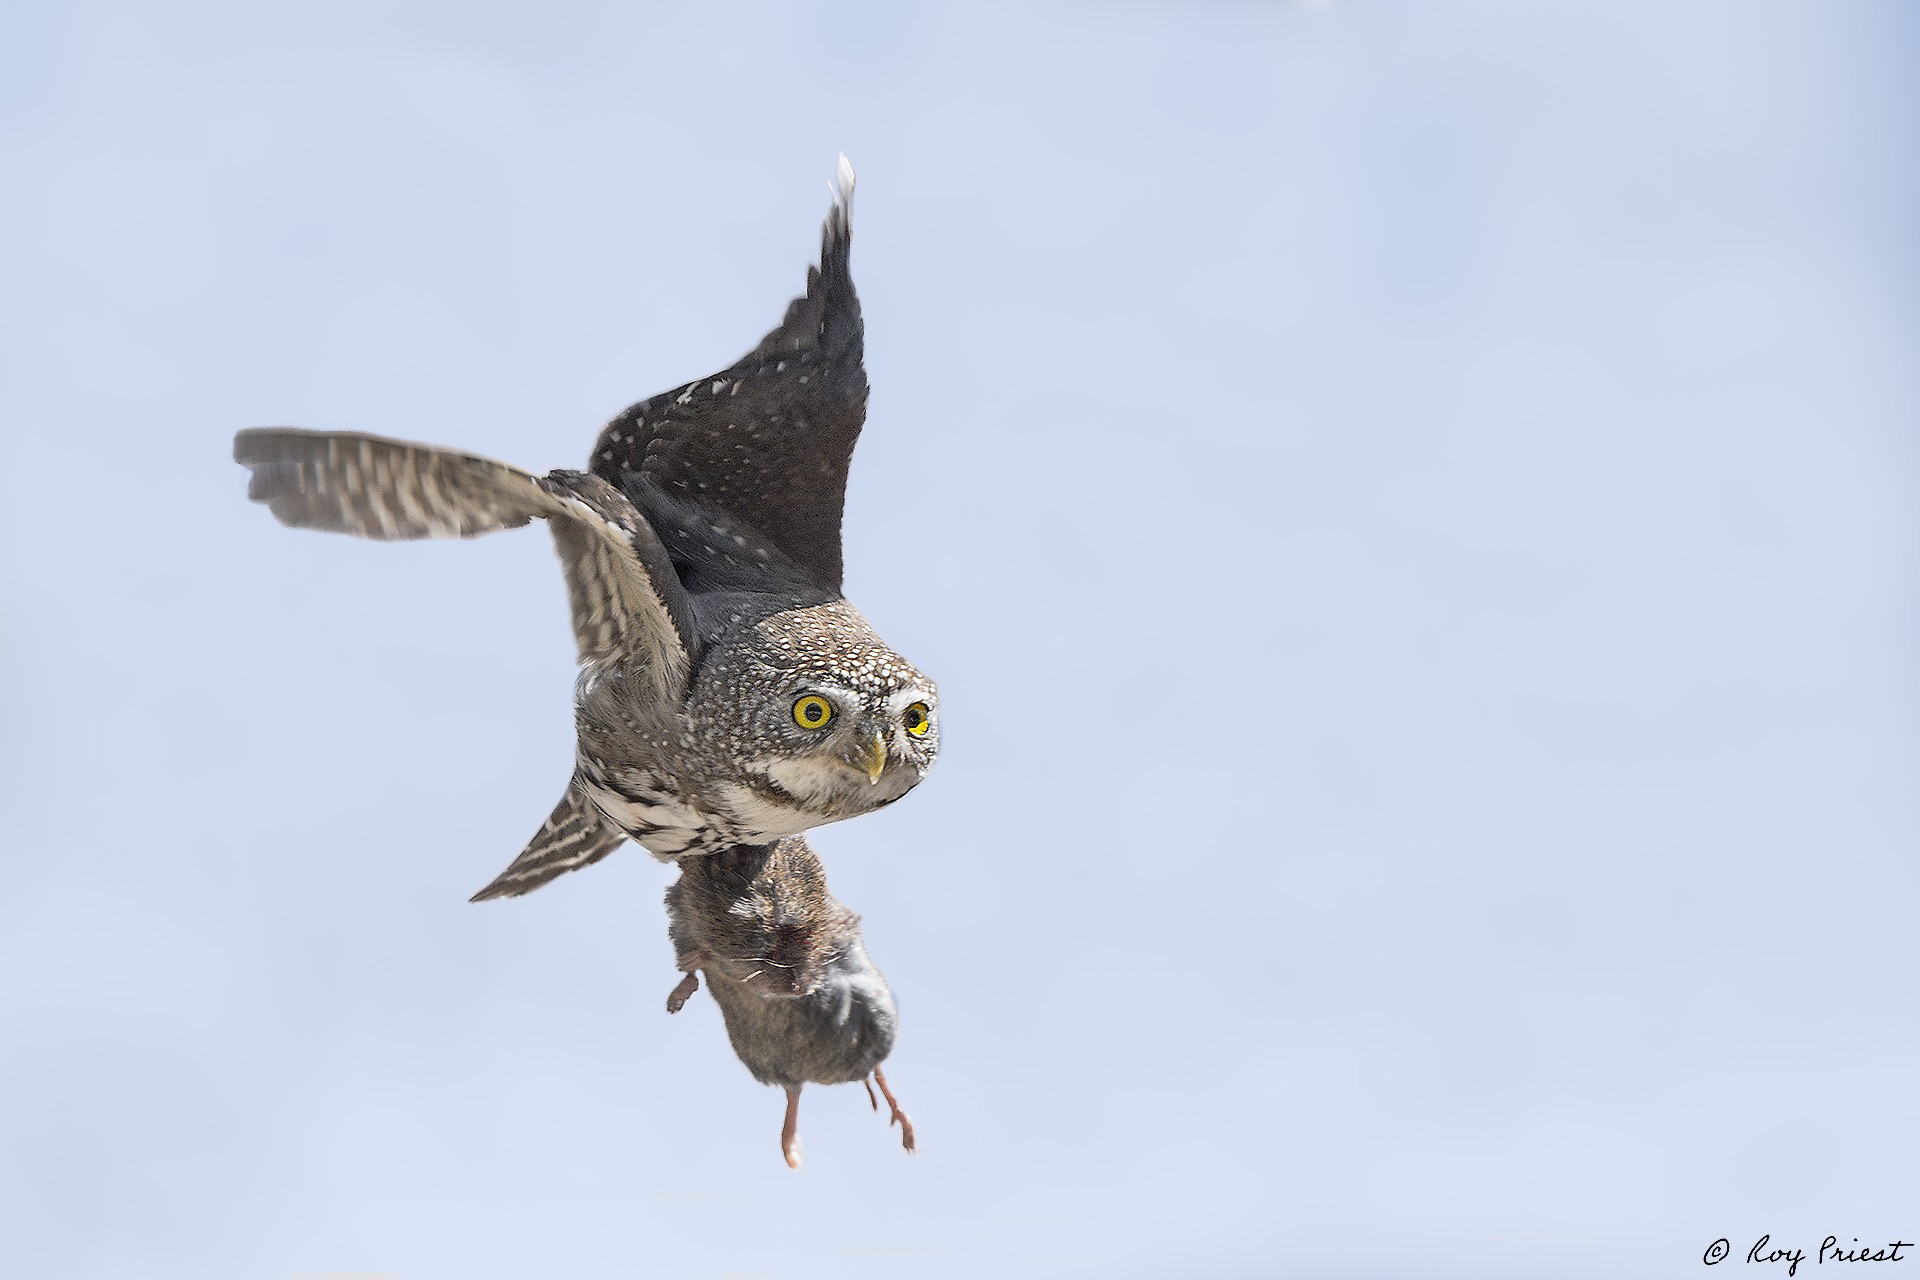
(577, 835)
(767, 442)
(628, 605)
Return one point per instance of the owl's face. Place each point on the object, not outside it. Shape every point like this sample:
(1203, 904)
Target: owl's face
(828, 722)
(864, 742)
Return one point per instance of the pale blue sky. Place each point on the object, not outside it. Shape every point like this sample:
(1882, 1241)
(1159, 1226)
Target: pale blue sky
(1413, 509)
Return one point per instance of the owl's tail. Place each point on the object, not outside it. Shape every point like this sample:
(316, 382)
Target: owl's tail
(576, 835)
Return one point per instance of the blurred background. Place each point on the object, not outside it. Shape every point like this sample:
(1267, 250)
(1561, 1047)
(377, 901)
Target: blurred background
(1414, 510)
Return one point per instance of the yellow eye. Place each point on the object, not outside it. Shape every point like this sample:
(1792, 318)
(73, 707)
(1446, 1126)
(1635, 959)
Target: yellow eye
(812, 712)
(917, 719)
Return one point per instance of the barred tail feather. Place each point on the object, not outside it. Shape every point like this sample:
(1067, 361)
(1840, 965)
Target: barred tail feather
(577, 835)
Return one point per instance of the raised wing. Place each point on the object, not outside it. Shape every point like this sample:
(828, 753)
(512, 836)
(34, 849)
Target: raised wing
(766, 443)
(628, 605)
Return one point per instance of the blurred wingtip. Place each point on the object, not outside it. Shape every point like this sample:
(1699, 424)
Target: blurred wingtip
(498, 888)
(837, 232)
(840, 190)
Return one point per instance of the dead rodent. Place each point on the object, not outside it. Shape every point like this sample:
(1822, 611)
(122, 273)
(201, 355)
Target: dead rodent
(802, 1002)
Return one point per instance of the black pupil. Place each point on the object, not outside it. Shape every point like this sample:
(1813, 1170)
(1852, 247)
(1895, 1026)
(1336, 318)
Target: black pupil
(915, 718)
(813, 712)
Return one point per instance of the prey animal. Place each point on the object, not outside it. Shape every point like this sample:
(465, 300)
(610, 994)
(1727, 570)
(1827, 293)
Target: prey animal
(729, 694)
(786, 963)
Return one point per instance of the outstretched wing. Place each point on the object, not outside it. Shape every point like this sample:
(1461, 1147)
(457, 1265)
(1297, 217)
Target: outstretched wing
(767, 442)
(576, 835)
(628, 605)
(372, 487)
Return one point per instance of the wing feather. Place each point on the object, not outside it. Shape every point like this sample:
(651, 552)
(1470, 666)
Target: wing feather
(628, 604)
(767, 442)
(376, 488)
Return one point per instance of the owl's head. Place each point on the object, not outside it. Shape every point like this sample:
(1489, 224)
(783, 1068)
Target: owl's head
(828, 721)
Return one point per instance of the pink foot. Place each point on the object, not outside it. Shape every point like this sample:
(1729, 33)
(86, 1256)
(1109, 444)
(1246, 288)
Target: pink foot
(893, 1104)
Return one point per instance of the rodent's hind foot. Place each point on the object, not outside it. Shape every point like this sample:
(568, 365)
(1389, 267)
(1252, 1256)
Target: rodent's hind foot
(893, 1105)
(789, 1137)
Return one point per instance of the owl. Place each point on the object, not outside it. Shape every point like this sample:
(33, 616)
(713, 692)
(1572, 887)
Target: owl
(728, 693)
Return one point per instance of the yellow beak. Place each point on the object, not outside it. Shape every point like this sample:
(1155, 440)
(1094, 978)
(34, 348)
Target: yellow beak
(872, 757)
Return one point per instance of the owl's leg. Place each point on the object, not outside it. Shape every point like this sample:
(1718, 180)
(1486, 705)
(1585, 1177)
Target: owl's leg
(789, 1138)
(872, 1101)
(692, 963)
(893, 1104)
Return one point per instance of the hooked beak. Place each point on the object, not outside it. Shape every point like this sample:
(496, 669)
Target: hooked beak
(870, 757)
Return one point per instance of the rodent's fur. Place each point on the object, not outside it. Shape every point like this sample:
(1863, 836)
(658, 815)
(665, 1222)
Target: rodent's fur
(802, 1001)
